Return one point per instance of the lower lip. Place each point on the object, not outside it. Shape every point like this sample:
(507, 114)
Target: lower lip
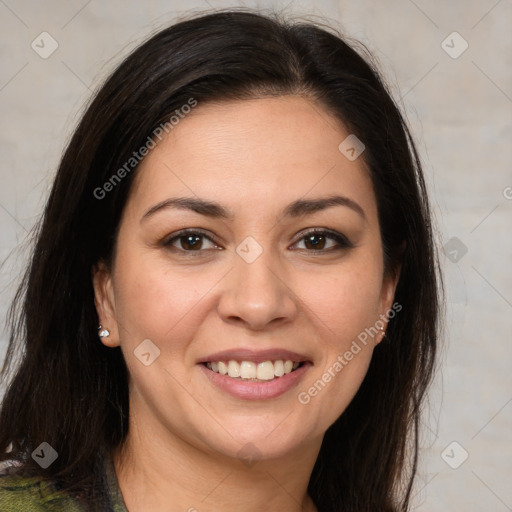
(248, 390)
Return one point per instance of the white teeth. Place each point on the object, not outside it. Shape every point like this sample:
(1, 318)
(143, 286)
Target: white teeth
(248, 370)
(233, 369)
(279, 368)
(263, 371)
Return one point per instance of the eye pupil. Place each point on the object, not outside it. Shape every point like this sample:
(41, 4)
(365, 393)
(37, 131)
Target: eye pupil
(316, 245)
(192, 241)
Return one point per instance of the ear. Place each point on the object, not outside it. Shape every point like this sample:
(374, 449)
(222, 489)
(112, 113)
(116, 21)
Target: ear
(105, 303)
(389, 284)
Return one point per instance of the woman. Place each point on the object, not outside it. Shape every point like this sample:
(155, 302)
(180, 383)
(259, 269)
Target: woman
(233, 299)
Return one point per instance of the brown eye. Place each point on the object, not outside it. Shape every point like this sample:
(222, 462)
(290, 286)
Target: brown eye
(190, 241)
(317, 241)
(193, 242)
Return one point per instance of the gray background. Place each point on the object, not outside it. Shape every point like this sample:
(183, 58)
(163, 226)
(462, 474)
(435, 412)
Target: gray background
(460, 112)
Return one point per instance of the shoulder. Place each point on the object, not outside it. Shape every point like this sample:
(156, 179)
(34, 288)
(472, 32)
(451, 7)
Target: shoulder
(31, 494)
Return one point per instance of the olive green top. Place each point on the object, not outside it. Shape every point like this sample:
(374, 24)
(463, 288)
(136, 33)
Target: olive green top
(34, 494)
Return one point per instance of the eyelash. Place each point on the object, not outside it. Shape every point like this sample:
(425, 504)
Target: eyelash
(342, 240)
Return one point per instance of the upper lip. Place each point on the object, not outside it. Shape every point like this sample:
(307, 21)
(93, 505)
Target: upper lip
(256, 356)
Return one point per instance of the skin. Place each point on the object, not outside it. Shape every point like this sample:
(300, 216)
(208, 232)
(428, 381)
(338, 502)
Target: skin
(254, 157)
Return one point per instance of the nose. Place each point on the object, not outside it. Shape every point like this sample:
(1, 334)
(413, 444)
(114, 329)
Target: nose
(257, 294)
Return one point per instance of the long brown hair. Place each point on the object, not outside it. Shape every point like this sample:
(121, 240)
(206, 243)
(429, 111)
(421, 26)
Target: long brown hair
(72, 392)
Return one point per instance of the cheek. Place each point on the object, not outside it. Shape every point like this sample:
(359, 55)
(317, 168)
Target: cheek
(165, 306)
(346, 307)
(331, 392)
(346, 303)
(154, 302)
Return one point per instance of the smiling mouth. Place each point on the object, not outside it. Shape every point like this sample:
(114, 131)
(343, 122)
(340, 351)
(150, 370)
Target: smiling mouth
(250, 371)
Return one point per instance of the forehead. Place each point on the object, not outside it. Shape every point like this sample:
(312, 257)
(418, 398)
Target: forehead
(254, 152)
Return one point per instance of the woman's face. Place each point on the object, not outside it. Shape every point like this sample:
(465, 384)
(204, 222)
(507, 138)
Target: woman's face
(252, 283)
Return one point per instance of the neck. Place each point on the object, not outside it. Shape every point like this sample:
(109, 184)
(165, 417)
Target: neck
(163, 471)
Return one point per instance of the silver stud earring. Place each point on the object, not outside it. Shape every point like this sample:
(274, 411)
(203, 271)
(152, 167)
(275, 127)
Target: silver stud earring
(383, 332)
(103, 333)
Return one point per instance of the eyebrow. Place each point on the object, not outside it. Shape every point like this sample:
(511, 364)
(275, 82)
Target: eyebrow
(217, 211)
